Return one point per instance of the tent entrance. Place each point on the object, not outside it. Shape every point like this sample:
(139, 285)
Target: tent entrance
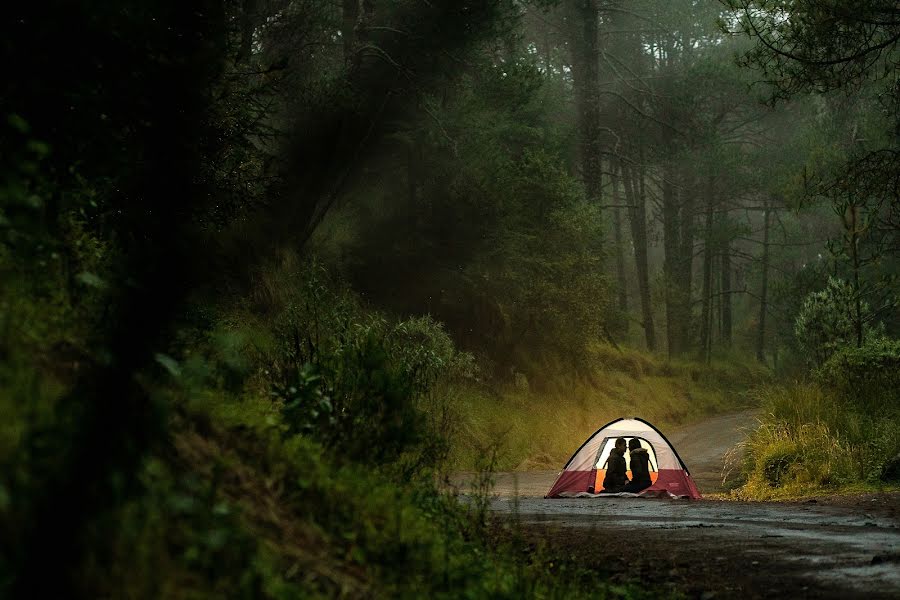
(602, 459)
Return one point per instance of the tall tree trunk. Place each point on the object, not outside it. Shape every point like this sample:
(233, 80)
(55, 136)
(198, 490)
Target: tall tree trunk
(548, 53)
(763, 293)
(349, 16)
(685, 279)
(637, 213)
(414, 208)
(248, 26)
(851, 223)
(671, 271)
(586, 75)
(726, 294)
(708, 251)
(356, 19)
(619, 243)
(715, 332)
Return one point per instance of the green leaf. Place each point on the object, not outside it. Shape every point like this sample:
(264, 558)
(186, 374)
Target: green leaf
(169, 364)
(91, 280)
(17, 123)
(182, 503)
(216, 538)
(41, 149)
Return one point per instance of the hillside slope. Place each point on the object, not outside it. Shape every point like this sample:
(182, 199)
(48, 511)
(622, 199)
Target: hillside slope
(539, 429)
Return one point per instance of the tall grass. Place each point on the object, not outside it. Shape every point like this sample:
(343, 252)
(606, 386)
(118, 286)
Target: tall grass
(814, 440)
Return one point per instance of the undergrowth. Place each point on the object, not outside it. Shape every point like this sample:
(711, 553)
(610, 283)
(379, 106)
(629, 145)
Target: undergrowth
(307, 439)
(816, 439)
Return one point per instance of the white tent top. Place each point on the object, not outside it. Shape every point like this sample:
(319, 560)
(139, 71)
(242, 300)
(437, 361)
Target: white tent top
(591, 455)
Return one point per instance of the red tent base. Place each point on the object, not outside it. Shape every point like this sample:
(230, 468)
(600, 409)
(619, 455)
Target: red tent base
(671, 483)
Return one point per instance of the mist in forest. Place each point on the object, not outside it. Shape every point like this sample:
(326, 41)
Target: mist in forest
(274, 273)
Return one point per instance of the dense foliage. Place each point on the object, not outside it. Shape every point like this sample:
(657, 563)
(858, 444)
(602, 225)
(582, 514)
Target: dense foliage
(269, 269)
(826, 321)
(842, 427)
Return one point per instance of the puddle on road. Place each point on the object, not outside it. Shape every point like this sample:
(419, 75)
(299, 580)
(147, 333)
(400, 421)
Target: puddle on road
(649, 511)
(876, 578)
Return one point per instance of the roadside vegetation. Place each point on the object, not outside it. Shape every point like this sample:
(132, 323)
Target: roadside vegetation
(837, 430)
(813, 442)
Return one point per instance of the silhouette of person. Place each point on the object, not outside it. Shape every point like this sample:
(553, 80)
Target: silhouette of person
(615, 479)
(640, 467)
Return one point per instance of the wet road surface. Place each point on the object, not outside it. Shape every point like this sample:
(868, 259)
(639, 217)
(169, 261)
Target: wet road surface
(716, 548)
(734, 549)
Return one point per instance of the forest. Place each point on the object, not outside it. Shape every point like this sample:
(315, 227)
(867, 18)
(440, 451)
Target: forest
(274, 272)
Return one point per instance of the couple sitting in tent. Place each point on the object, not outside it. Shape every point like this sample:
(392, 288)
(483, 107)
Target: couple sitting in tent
(616, 479)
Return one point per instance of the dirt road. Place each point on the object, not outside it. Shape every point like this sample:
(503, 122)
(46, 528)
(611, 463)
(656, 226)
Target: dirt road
(828, 548)
(702, 446)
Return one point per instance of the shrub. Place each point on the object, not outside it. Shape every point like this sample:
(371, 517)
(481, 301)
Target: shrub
(355, 379)
(371, 388)
(815, 439)
(785, 458)
(356, 401)
(868, 376)
(826, 321)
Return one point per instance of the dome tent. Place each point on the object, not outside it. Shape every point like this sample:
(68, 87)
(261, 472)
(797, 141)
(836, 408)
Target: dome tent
(583, 474)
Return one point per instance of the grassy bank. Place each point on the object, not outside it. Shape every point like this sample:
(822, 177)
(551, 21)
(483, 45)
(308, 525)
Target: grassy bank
(540, 429)
(816, 440)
